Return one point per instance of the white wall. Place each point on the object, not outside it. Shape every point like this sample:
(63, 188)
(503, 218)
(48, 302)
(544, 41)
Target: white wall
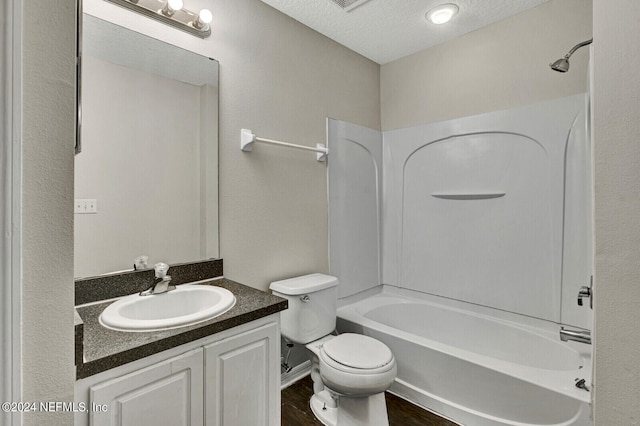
(617, 207)
(48, 135)
(493, 68)
(280, 79)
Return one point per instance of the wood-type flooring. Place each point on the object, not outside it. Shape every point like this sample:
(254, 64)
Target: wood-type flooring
(296, 410)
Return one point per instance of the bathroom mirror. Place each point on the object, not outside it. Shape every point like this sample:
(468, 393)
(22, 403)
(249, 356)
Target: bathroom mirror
(146, 181)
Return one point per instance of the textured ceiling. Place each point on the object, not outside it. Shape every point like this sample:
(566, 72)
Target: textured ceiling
(385, 30)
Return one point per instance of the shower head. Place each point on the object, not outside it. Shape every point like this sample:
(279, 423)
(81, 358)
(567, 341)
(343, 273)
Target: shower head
(562, 64)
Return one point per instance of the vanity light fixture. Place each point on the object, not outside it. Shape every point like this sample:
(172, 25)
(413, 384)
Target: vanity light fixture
(442, 14)
(172, 12)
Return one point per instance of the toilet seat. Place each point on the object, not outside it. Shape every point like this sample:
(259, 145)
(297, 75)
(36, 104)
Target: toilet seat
(357, 353)
(354, 364)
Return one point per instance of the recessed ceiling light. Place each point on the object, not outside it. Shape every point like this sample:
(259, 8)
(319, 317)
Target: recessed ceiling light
(442, 14)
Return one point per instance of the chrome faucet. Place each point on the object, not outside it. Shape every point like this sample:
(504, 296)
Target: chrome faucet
(582, 336)
(161, 281)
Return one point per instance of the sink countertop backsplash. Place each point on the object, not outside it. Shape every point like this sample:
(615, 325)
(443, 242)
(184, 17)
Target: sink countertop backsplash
(121, 284)
(99, 349)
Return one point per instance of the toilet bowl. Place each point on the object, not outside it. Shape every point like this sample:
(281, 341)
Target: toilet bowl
(350, 371)
(356, 365)
(350, 374)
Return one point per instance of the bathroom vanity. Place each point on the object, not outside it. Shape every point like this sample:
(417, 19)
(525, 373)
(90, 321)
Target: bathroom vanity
(221, 371)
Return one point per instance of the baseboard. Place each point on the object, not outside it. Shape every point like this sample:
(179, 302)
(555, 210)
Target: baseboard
(298, 372)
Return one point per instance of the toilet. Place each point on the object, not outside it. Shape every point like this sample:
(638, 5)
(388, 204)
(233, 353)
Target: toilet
(350, 371)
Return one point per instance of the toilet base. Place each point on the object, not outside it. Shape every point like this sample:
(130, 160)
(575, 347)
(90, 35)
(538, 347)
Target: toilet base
(368, 411)
(324, 412)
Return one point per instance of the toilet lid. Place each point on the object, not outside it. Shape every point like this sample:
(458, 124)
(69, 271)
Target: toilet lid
(358, 351)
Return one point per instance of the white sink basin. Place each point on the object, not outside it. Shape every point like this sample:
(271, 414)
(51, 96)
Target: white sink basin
(186, 305)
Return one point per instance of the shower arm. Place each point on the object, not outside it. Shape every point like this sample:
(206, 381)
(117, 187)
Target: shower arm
(578, 46)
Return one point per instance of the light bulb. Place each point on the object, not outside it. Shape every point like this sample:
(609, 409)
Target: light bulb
(175, 4)
(171, 7)
(203, 20)
(205, 16)
(442, 14)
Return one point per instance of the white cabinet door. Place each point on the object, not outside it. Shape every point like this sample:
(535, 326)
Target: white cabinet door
(169, 393)
(242, 379)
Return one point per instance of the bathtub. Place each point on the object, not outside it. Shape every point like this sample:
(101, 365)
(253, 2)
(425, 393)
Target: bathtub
(474, 365)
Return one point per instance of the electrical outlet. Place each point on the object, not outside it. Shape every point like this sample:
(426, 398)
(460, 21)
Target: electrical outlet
(86, 206)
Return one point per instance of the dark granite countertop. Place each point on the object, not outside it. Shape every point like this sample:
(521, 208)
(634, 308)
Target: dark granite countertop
(102, 349)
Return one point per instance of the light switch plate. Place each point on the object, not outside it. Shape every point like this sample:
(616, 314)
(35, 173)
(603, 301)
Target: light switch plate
(86, 206)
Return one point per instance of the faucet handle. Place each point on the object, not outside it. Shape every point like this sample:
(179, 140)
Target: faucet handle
(161, 269)
(140, 263)
(586, 292)
(583, 292)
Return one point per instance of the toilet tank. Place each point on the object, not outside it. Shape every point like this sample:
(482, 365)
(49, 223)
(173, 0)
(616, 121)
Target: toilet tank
(312, 306)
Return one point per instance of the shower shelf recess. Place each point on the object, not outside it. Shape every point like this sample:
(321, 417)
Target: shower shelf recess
(468, 195)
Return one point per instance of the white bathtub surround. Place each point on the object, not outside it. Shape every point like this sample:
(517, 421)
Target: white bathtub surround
(492, 209)
(490, 215)
(512, 252)
(355, 200)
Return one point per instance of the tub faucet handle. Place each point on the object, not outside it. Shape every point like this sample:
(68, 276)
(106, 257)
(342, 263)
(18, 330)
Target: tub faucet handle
(583, 292)
(582, 384)
(586, 292)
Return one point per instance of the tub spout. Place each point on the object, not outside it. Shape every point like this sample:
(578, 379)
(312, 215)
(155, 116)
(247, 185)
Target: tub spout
(582, 336)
